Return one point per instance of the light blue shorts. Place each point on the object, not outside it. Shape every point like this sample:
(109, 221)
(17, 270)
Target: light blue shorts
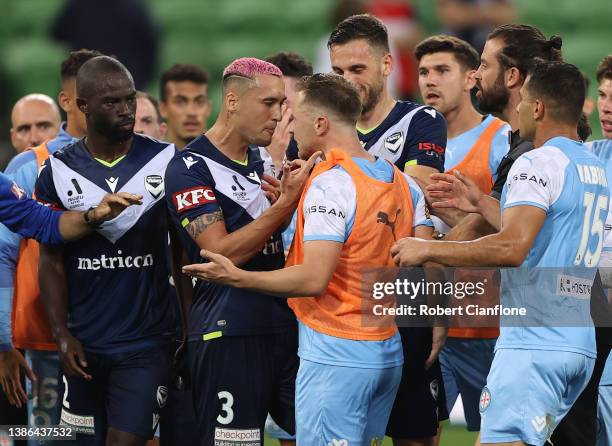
(343, 405)
(528, 393)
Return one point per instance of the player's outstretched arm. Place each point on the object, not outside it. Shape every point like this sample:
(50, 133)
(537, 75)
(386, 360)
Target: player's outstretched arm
(509, 247)
(52, 280)
(308, 279)
(457, 191)
(209, 232)
(75, 225)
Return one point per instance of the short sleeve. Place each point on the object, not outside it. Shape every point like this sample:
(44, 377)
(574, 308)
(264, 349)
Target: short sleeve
(189, 188)
(536, 179)
(425, 140)
(329, 207)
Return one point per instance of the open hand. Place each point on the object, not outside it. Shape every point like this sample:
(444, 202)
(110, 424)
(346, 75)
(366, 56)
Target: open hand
(219, 269)
(454, 191)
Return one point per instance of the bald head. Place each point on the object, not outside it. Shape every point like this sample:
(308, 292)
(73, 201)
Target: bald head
(35, 119)
(96, 73)
(107, 97)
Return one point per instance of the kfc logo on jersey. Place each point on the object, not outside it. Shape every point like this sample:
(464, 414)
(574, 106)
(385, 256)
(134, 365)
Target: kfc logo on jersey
(190, 198)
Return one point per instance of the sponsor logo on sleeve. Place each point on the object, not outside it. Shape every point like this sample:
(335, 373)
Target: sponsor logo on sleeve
(528, 177)
(431, 148)
(193, 197)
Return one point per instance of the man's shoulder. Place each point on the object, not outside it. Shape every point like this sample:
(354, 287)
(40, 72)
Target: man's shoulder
(22, 161)
(411, 113)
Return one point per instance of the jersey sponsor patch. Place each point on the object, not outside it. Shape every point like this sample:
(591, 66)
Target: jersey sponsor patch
(570, 286)
(431, 147)
(193, 197)
(237, 437)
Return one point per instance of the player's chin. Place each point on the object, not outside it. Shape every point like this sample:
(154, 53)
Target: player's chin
(263, 139)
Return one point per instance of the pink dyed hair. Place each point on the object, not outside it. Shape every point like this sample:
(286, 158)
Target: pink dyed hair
(249, 67)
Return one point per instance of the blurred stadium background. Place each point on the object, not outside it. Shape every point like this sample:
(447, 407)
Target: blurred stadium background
(211, 33)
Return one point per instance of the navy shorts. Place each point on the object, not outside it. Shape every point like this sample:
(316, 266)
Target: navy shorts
(420, 403)
(127, 392)
(237, 380)
(465, 366)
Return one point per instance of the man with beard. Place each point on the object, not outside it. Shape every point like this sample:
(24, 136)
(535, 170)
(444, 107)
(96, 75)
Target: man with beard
(106, 296)
(413, 137)
(509, 52)
(476, 144)
(554, 202)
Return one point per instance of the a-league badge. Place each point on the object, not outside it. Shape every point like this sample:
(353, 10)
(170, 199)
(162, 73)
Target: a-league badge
(485, 400)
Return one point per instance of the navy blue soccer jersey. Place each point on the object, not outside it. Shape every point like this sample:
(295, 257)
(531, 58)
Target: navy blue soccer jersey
(117, 277)
(411, 134)
(201, 180)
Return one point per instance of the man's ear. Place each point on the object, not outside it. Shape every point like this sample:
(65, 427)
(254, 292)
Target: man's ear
(387, 64)
(514, 78)
(539, 108)
(321, 125)
(470, 80)
(232, 101)
(163, 109)
(64, 101)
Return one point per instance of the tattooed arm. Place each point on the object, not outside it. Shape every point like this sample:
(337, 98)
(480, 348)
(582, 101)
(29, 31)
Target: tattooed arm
(209, 232)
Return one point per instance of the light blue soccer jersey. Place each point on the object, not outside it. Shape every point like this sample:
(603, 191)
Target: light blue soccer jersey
(458, 147)
(570, 185)
(603, 150)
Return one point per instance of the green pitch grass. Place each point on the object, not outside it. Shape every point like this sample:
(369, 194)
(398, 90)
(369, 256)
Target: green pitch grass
(451, 436)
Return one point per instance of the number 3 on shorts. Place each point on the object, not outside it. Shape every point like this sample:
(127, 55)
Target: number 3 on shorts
(226, 407)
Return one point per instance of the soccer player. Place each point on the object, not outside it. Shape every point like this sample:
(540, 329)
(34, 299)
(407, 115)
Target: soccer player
(349, 373)
(35, 118)
(148, 119)
(546, 189)
(603, 149)
(413, 137)
(283, 144)
(106, 296)
(19, 263)
(508, 53)
(242, 345)
(184, 104)
(476, 144)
